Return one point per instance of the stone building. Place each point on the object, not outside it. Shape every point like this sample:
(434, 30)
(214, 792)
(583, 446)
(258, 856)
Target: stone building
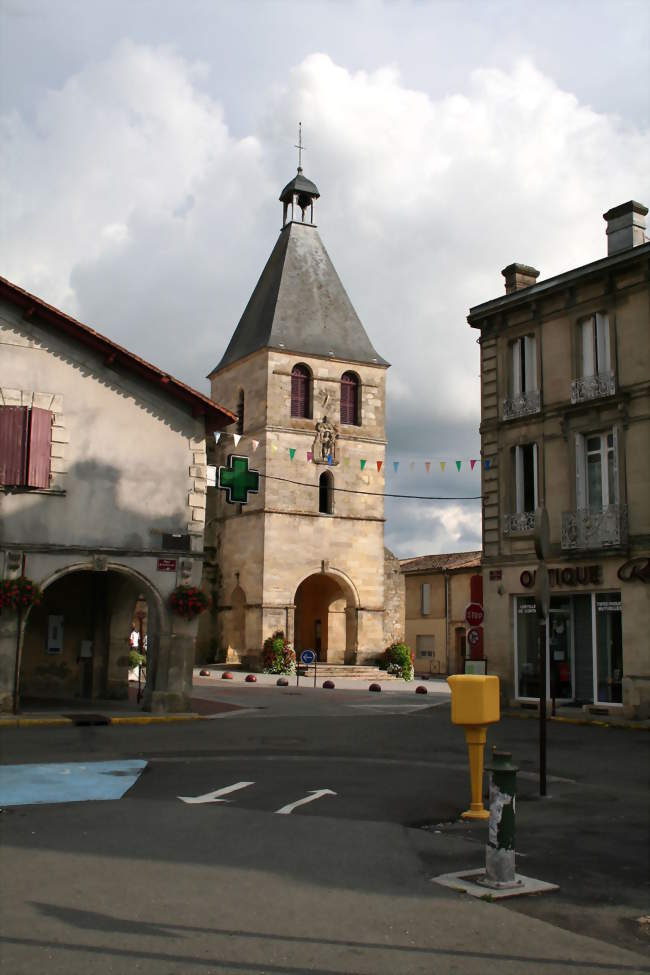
(438, 589)
(565, 425)
(306, 553)
(102, 503)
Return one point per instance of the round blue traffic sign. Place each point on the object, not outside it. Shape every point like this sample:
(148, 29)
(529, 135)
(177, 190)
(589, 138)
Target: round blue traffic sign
(307, 657)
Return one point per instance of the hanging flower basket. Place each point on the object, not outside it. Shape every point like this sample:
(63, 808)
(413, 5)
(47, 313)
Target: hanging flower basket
(188, 602)
(20, 593)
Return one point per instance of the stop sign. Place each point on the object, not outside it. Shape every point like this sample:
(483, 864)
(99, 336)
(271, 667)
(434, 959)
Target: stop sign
(474, 614)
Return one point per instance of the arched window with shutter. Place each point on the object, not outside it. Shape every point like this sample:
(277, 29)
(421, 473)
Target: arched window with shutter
(240, 411)
(326, 493)
(350, 386)
(300, 391)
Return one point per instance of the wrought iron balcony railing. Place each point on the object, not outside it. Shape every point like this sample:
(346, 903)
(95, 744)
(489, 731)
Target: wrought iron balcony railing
(522, 523)
(521, 405)
(593, 387)
(603, 528)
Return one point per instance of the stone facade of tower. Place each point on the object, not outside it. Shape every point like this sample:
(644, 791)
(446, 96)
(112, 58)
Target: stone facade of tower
(294, 558)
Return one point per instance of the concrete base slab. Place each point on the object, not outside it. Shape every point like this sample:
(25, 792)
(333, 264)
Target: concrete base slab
(466, 882)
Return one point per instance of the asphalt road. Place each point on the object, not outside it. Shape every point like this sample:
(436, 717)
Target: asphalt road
(340, 883)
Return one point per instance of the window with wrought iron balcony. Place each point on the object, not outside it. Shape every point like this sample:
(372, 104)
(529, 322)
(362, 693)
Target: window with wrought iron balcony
(597, 379)
(599, 520)
(524, 468)
(524, 396)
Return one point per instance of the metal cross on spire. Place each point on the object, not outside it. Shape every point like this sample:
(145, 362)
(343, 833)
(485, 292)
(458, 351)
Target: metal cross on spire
(299, 147)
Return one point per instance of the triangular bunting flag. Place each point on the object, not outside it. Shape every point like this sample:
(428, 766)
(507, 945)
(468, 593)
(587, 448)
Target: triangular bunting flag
(217, 436)
(458, 464)
(379, 463)
(346, 461)
(363, 464)
(443, 464)
(309, 456)
(329, 459)
(236, 437)
(471, 464)
(255, 444)
(274, 448)
(427, 465)
(292, 452)
(395, 465)
(487, 465)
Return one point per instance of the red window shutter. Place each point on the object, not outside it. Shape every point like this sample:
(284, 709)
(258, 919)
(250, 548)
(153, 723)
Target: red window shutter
(299, 392)
(40, 447)
(349, 389)
(13, 444)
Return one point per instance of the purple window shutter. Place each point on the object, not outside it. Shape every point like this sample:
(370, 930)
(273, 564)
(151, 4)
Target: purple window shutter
(13, 444)
(40, 446)
(349, 387)
(299, 392)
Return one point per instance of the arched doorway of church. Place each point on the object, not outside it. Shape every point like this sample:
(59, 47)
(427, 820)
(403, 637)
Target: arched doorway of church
(77, 641)
(325, 618)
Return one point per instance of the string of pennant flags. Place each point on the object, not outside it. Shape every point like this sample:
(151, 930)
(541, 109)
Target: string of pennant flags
(364, 462)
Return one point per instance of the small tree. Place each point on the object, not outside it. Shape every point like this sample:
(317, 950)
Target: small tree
(277, 655)
(397, 659)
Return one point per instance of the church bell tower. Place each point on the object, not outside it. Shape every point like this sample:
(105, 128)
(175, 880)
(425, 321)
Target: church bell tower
(306, 553)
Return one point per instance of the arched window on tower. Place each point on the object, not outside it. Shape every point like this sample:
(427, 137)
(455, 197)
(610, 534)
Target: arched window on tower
(300, 391)
(350, 387)
(325, 493)
(240, 412)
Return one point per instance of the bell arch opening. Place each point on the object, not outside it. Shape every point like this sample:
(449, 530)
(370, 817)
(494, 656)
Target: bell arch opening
(76, 642)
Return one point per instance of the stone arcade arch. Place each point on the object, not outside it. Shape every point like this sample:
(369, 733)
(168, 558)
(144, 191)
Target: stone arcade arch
(325, 617)
(88, 657)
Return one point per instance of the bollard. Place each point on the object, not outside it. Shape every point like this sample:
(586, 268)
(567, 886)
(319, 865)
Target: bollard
(500, 848)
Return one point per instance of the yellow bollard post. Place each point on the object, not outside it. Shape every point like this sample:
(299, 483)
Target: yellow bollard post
(475, 705)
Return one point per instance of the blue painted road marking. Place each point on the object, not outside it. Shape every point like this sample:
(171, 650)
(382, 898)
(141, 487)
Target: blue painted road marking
(24, 785)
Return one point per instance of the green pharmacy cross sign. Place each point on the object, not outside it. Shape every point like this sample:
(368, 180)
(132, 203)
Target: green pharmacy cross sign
(237, 480)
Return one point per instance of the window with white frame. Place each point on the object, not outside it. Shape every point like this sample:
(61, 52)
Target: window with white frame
(425, 598)
(524, 365)
(525, 457)
(597, 470)
(594, 334)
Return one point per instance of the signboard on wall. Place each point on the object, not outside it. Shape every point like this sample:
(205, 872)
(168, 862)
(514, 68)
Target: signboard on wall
(54, 634)
(166, 565)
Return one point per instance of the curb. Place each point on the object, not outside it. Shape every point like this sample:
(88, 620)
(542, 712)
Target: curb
(585, 722)
(118, 720)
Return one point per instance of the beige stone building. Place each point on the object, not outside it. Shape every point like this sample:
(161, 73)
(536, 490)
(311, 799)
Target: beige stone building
(305, 554)
(438, 588)
(102, 503)
(565, 425)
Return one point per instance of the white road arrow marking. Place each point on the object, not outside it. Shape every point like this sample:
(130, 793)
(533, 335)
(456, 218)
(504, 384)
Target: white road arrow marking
(314, 794)
(215, 796)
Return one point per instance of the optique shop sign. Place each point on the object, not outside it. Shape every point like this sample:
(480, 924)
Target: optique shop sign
(581, 575)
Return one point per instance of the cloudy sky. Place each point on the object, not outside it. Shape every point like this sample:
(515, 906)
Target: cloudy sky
(144, 144)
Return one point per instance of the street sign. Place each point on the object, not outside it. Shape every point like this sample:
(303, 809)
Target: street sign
(475, 642)
(474, 614)
(237, 480)
(474, 637)
(307, 657)
(166, 565)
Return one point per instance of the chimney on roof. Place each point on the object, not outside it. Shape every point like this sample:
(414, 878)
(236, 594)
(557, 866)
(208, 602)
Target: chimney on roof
(625, 226)
(519, 276)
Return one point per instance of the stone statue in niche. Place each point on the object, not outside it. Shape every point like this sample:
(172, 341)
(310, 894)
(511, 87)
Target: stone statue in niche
(324, 449)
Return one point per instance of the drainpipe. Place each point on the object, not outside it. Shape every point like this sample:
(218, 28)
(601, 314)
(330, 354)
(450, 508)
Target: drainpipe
(18, 641)
(447, 609)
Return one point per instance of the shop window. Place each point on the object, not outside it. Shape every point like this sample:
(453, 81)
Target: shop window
(25, 446)
(425, 598)
(326, 493)
(526, 633)
(350, 389)
(301, 383)
(609, 647)
(594, 335)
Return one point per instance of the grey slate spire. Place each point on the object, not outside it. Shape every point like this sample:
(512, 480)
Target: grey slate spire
(299, 304)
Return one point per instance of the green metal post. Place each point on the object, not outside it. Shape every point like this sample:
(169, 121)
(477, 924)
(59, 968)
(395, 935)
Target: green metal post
(500, 849)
